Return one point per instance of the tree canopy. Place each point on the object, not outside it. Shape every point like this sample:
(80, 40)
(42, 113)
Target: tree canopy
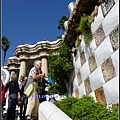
(61, 22)
(5, 45)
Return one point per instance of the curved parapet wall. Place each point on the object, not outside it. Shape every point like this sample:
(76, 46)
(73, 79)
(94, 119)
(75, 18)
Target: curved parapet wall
(43, 45)
(13, 59)
(48, 111)
(13, 63)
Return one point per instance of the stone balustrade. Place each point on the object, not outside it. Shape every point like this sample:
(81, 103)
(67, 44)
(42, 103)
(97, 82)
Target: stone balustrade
(48, 111)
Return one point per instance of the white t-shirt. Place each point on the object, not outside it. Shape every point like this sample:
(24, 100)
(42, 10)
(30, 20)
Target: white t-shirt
(34, 70)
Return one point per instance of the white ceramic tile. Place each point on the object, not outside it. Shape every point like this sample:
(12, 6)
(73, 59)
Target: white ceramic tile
(111, 20)
(75, 83)
(82, 45)
(87, 52)
(73, 94)
(92, 94)
(116, 1)
(77, 65)
(93, 46)
(84, 70)
(81, 90)
(103, 51)
(111, 90)
(115, 60)
(97, 21)
(96, 78)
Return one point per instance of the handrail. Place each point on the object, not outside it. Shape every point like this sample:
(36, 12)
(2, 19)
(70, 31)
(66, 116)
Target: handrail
(48, 111)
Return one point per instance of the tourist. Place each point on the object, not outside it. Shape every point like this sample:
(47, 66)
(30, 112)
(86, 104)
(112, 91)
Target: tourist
(24, 98)
(43, 83)
(14, 95)
(34, 76)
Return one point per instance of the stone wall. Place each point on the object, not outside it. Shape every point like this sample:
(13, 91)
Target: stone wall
(96, 66)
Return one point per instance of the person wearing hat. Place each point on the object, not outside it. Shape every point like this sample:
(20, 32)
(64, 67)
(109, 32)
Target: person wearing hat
(35, 75)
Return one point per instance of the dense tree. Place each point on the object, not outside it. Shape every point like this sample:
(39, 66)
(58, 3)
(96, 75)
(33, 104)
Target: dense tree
(60, 65)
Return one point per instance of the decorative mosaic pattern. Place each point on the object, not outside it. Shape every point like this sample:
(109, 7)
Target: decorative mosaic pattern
(106, 6)
(114, 38)
(87, 86)
(92, 63)
(99, 35)
(77, 93)
(116, 105)
(100, 96)
(108, 70)
(79, 78)
(82, 58)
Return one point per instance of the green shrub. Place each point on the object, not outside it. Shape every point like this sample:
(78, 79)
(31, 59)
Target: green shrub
(66, 104)
(85, 29)
(60, 64)
(87, 109)
(53, 89)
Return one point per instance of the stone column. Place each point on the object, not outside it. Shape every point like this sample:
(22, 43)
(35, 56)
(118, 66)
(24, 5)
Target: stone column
(44, 66)
(12, 70)
(22, 71)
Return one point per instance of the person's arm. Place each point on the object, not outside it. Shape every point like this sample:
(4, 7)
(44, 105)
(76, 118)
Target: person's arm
(19, 96)
(18, 90)
(36, 77)
(6, 94)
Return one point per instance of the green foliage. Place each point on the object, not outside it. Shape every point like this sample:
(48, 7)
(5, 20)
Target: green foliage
(61, 22)
(85, 29)
(53, 89)
(5, 42)
(87, 109)
(77, 42)
(5, 45)
(59, 37)
(66, 104)
(59, 65)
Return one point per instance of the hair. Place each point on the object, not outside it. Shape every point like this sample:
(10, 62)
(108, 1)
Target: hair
(25, 77)
(14, 77)
(37, 62)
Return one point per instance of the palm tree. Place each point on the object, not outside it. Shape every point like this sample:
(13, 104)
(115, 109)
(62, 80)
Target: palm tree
(61, 22)
(5, 45)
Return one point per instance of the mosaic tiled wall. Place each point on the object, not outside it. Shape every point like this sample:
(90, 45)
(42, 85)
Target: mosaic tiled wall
(96, 68)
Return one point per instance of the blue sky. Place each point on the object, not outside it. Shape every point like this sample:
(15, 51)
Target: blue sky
(30, 21)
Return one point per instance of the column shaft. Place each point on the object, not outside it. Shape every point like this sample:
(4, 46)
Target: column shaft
(44, 66)
(22, 71)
